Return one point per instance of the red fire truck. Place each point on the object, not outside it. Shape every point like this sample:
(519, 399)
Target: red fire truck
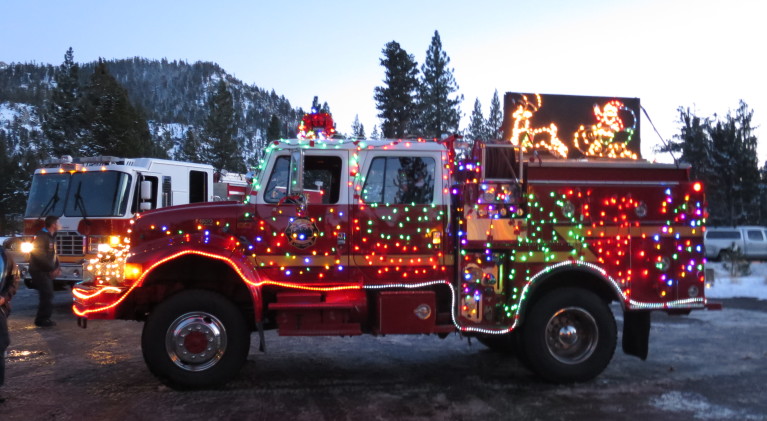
(96, 197)
(386, 237)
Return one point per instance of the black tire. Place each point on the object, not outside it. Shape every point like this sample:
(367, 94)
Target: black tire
(195, 339)
(569, 336)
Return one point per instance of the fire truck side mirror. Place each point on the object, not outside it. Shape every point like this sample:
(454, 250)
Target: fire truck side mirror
(146, 190)
(146, 196)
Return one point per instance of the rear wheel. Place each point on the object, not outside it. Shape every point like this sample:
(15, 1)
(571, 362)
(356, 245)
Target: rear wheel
(725, 255)
(570, 336)
(195, 339)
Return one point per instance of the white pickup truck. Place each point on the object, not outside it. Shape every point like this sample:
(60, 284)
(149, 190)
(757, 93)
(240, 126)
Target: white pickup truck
(750, 241)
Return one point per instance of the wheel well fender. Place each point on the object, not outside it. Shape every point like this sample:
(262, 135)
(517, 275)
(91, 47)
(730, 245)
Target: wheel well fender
(193, 269)
(573, 275)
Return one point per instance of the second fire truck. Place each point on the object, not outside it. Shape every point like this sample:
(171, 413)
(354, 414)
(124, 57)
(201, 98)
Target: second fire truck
(96, 197)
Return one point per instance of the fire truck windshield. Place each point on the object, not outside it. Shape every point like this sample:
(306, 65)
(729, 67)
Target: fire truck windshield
(82, 194)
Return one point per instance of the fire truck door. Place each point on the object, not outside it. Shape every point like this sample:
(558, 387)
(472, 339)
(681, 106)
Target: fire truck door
(302, 215)
(400, 217)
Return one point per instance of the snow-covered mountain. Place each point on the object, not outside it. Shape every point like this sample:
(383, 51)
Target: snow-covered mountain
(171, 94)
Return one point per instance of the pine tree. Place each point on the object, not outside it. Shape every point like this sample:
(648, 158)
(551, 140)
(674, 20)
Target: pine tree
(722, 154)
(115, 127)
(190, 149)
(477, 125)
(734, 146)
(317, 108)
(358, 130)
(163, 142)
(494, 119)
(19, 156)
(63, 121)
(274, 131)
(223, 151)
(438, 112)
(375, 134)
(395, 100)
(763, 195)
(10, 176)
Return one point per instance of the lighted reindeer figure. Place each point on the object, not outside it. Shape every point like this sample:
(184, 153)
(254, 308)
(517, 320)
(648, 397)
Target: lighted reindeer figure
(541, 138)
(599, 139)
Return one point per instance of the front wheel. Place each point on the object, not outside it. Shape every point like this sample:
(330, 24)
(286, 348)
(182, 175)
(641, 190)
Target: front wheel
(195, 339)
(569, 336)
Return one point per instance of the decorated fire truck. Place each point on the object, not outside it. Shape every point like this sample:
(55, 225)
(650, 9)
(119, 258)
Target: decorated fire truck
(96, 197)
(522, 244)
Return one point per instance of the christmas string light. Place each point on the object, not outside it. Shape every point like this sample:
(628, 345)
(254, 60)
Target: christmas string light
(528, 138)
(599, 139)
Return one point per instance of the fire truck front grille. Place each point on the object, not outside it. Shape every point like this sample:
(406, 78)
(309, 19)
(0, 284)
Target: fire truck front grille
(70, 244)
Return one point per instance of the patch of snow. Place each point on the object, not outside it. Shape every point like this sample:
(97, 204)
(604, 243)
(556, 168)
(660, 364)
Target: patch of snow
(726, 285)
(7, 111)
(26, 115)
(698, 406)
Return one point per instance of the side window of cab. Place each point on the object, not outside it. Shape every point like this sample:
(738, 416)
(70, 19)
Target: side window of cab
(400, 180)
(321, 179)
(277, 186)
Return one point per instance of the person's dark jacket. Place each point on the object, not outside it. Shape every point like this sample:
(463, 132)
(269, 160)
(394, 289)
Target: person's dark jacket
(9, 281)
(42, 258)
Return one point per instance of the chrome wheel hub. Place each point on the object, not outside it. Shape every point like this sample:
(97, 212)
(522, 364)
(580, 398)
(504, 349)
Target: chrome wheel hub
(196, 341)
(571, 335)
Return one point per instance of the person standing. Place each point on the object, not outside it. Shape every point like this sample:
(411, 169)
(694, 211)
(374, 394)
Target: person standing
(9, 281)
(44, 268)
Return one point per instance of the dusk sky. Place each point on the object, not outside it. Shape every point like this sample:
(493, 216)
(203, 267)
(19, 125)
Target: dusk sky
(701, 54)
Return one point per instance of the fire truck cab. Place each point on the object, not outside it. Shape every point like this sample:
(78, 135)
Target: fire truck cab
(96, 197)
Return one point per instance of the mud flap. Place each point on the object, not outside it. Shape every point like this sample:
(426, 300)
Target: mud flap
(636, 333)
(262, 341)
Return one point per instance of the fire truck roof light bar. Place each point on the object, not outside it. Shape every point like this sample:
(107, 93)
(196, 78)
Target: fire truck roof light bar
(93, 160)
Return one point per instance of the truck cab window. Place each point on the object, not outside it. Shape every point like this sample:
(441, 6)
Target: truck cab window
(400, 180)
(167, 192)
(322, 178)
(198, 186)
(277, 186)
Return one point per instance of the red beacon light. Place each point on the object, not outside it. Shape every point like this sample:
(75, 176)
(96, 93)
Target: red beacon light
(697, 186)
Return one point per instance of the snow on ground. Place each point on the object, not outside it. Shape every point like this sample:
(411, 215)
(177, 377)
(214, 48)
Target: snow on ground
(725, 285)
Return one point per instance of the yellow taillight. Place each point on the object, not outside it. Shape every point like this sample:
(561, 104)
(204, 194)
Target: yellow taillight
(132, 271)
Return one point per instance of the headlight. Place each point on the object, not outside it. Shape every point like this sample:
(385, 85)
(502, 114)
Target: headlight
(94, 243)
(27, 247)
(106, 244)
